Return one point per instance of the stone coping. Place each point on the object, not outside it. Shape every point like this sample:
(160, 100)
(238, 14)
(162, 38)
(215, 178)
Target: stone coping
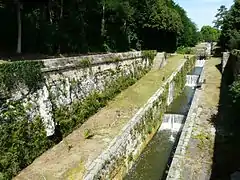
(174, 172)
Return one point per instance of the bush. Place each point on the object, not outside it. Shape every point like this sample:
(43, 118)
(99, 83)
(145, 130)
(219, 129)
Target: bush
(185, 50)
(235, 93)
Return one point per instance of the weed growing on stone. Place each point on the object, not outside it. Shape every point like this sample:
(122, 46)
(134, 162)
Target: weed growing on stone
(88, 134)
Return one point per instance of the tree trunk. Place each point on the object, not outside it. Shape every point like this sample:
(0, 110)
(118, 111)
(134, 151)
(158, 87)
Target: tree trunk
(103, 21)
(50, 11)
(19, 21)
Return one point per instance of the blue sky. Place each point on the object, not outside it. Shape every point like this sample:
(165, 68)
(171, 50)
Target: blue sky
(202, 12)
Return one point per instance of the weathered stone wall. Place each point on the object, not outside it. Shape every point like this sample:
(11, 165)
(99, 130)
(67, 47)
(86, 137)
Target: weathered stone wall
(175, 169)
(68, 80)
(224, 60)
(115, 161)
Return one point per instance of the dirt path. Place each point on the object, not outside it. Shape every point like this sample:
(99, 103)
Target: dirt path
(200, 150)
(67, 160)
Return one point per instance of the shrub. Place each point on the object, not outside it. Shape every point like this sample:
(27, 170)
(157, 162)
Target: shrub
(185, 50)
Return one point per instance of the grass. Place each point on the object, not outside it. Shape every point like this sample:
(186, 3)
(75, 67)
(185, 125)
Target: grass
(141, 91)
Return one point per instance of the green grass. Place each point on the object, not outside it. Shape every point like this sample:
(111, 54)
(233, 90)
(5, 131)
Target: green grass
(137, 95)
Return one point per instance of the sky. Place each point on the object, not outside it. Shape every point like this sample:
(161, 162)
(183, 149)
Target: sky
(203, 12)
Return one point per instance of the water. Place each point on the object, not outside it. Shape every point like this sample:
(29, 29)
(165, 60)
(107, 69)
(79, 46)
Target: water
(192, 80)
(182, 103)
(152, 162)
(200, 63)
(196, 71)
(155, 158)
(172, 122)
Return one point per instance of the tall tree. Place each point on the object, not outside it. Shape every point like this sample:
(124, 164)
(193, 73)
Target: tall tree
(209, 34)
(230, 35)
(19, 21)
(222, 11)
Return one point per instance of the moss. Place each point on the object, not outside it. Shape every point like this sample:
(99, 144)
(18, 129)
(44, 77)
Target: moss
(84, 63)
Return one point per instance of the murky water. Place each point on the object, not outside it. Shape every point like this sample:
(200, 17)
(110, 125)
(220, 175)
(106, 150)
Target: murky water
(152, 162)
(182, 103)
(196, 71)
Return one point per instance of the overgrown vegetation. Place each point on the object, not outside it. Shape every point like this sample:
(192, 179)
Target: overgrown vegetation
(209, 34)
(20, 74)
(229, 23)
(180, 78)
(185, 50)
(77, 114)
(67, 26)
(21, 140)
(150, 55)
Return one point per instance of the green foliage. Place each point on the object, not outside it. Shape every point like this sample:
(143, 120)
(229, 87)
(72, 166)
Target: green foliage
(209, 34)
(222, 11)
(188, 36)
(180, 78)
(185, 50)
(150, 55)
(88, 134)
(21, 141)
(235, 93)
(230, 36)
(14, 74)
(84, 63)
(79, 112)
(67, 26)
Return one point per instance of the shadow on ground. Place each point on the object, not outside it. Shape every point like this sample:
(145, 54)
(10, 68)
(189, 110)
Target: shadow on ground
(226, 158)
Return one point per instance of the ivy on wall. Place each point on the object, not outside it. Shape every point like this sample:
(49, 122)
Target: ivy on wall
(15, 74)
(180, 78)
(71, 117)
(22, 141)
(152, 118)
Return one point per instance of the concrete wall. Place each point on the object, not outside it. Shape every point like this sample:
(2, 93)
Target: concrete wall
(119, 157)
(68, 81)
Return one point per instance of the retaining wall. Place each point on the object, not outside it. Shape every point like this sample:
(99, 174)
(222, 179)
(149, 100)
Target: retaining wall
(175, 169)
(71, 80)
(119, 157)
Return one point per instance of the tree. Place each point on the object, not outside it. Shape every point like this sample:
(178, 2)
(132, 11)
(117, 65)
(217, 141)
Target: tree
(222, 11)
(209, 34)
(19, 21)
(69, 26)
(189, 35)
(230, 35)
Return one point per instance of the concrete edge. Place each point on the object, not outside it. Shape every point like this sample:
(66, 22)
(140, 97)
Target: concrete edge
(175, 169)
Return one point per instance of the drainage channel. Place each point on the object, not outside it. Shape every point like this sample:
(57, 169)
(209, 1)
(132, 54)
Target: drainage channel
(153, 162)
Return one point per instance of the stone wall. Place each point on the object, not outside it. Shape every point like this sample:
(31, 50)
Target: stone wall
(175, 169)
(119, 157)
(70, 80)
(224, 60)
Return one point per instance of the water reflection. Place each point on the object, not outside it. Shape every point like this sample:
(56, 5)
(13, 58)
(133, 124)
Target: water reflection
(152, 162)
